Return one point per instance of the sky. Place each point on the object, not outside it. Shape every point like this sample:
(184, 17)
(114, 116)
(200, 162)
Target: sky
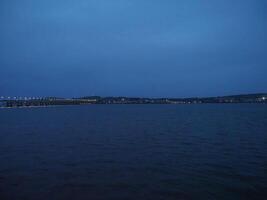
(147, 48)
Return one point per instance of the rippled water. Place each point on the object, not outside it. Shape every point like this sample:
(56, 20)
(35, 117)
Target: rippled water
(134, 152)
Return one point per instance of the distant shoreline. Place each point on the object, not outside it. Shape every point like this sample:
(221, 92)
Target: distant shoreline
(260, 98)
(188, 104)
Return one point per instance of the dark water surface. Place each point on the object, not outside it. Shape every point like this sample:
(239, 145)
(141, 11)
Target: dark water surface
(134, 152)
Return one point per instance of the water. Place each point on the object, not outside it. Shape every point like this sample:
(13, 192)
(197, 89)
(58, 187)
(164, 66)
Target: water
(134, 152)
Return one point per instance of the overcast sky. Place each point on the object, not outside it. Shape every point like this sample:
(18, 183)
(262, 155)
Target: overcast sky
(147, 48)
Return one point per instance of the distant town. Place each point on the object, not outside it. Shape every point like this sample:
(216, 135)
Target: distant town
(10, 102)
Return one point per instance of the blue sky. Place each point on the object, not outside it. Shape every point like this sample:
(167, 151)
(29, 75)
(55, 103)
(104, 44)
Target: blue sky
(132, 47)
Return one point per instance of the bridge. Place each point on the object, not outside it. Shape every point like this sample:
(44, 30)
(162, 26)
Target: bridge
(43, 101)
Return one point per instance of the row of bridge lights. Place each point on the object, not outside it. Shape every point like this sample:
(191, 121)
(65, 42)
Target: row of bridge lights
(21, 98)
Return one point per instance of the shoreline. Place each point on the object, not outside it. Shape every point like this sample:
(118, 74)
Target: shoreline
(51, 106)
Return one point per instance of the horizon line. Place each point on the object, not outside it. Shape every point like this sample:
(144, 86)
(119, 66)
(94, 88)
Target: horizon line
(121, 96)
